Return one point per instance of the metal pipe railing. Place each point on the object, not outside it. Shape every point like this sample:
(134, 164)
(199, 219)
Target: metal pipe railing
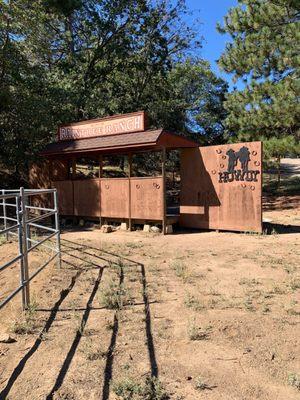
(23, 224)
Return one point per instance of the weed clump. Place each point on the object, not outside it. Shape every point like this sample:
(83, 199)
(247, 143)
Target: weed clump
(295, 284)
(294, 380)
(114, 296)
(192, 302)
(195, 332)
(28, 323)
(134, 245)
(93, 354)
(2, 239)
(200, 384)
(180, 270)
(151, 389)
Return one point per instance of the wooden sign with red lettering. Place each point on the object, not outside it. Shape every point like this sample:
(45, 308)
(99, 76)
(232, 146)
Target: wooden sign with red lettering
(118, 124)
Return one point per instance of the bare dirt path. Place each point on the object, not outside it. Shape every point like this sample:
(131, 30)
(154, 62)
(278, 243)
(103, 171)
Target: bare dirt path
(140, 316)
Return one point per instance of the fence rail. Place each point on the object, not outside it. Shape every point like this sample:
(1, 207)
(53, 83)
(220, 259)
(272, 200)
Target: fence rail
(21, 227)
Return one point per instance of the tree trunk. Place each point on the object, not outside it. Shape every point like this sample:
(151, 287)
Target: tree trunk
(278, 170)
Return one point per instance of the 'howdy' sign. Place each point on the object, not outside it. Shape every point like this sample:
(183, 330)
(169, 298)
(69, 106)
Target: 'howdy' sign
(238, 174)
(126, 123)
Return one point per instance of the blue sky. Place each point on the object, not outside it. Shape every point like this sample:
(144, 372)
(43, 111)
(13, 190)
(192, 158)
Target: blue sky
(210, 12)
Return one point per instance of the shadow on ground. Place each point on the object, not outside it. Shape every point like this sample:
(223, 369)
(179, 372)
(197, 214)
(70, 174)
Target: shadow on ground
(271, 228)
(101, 258)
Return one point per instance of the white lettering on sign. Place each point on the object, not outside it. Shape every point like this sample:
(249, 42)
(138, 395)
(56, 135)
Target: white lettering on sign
(106, 126)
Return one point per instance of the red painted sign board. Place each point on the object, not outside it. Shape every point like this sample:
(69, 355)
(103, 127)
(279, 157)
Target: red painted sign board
(118, 124)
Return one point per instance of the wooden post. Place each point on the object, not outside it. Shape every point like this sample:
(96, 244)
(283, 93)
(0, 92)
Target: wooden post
(101, 166)
(164, 191)
(50, 170)
(129, 196)
(73, 168)
(100, 176)
(73, 178)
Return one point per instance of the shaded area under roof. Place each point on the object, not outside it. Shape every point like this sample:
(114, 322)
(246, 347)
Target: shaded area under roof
(138, 141)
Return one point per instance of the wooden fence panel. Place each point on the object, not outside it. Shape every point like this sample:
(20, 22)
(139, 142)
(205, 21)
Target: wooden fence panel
(65, 196)
(147, 198)
(87, 197)
(114, 195)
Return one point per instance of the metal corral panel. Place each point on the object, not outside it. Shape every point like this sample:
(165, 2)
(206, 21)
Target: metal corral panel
(87, 197)
(147, 198)
(65, 196)
(115, 198)
(221, 187)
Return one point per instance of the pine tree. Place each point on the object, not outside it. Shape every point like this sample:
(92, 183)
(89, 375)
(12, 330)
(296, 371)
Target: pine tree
(278, 148)
(265, 55)
(71, 60)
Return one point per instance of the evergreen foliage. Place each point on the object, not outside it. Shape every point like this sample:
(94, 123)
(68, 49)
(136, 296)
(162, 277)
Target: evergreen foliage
(277, 148)
(63, 61)
(265, 54)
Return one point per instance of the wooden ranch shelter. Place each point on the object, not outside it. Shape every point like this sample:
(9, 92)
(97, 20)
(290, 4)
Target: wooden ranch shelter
(220, 186)
(129, 198)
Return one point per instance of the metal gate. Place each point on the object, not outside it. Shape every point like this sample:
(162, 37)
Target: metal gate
(17, 220)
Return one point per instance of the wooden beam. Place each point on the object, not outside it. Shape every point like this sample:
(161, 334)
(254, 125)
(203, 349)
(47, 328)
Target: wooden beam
(73, 178)
(100, 176)
(50, 171)
(101, 166)
(73, 168)
(129, 195)
(164, 191)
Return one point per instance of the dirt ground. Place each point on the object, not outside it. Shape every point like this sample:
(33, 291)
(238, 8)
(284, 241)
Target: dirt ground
(132, 315)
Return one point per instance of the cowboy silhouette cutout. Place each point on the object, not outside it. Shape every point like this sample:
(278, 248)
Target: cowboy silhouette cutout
(243, 155)
(232, 160)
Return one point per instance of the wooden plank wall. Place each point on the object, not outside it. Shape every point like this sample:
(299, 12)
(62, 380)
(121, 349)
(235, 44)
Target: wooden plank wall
(39, 178)
(65, 197)
(147, 198)
(115, 198)
(110, 198)
(86, 197)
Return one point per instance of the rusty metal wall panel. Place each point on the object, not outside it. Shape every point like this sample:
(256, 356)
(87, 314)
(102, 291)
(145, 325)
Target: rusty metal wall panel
(39, 175)
(87, 197)
(221, 187)
(147, 198)
(114, 195)
(65, 196)
(39, 178)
